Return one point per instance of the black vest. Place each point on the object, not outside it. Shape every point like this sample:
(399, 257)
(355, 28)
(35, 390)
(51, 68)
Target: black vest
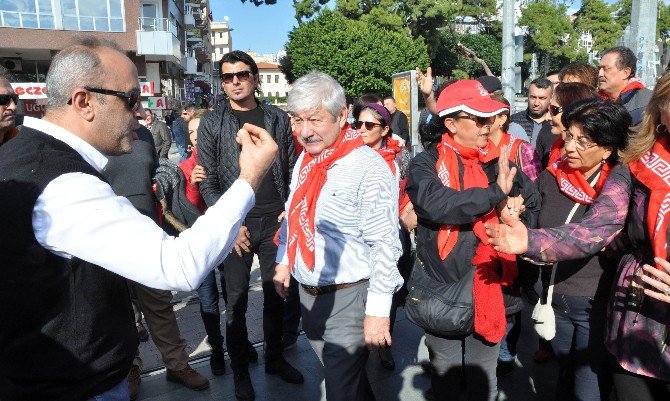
(66, 326)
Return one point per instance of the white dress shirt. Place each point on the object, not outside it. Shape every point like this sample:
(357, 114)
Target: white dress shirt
(78, 215)
(356, 229)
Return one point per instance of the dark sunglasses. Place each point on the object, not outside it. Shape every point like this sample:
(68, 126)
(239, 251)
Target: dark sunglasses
(133, 96)
(369, 125)
(5, 99)
(555, 110)
(480, 121)
(241, 76)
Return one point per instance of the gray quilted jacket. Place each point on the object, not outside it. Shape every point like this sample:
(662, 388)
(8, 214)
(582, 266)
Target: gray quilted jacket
(219, 153)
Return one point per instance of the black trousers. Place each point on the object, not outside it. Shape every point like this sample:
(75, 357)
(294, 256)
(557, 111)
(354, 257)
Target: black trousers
(236, 273)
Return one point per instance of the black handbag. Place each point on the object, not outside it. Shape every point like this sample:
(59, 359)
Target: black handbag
(445, 309)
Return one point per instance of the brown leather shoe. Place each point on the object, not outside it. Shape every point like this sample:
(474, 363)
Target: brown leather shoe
(187, 377)
(134, 380)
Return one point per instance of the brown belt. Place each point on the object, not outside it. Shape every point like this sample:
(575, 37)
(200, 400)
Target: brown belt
(314, 291)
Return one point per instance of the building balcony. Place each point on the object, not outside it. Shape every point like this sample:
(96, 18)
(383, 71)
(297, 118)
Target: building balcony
(157, 40)
(190, 65)
(189, 20)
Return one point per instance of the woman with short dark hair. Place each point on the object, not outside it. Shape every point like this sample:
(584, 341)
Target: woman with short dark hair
(595, 132)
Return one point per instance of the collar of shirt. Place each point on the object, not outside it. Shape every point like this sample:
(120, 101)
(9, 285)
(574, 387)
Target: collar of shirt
(88, 152)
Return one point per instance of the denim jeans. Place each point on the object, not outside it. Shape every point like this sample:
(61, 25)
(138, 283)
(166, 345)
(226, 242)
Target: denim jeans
(509, 341)
(208, 292)
(116, 393)
(584, 372)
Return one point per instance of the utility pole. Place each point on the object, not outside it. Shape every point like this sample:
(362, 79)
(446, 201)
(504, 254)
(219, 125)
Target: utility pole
(508, 51)
(643, 39)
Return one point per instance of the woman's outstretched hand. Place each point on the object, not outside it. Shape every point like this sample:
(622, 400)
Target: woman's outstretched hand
(511, 237)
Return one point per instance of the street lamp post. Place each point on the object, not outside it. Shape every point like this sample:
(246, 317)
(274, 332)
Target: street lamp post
(643, 39)
(508, 51)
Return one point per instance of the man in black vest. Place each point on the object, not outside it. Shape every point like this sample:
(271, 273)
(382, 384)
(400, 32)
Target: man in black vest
(218, 155)
(67, 329)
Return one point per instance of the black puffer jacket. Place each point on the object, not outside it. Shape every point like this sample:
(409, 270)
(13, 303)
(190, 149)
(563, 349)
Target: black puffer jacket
(219, 153)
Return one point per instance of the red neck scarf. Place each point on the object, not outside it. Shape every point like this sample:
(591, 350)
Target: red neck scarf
(490, 320)
(389, 152)
(512, 144)
(556, 152)
(311, 179)
(633, 83)
(652, 171)
(573, 184)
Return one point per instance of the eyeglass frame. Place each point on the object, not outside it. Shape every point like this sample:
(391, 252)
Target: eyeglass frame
(123, 95)
(9, 97)
(369, 125)
(228, 77)
(552, 110)
(478, 120)
(569, 138)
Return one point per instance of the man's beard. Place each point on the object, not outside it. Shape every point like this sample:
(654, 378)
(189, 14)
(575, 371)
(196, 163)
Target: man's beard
(534, 115)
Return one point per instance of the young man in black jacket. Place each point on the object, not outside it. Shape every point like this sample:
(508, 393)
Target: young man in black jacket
(218, 153)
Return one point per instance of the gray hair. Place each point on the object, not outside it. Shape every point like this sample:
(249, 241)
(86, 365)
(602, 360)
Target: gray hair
(315, 90)
(76, 66)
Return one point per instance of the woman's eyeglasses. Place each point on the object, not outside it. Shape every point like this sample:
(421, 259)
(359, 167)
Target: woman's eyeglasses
(555, 110)
(480, 121)
(5, 99)
(581, 143)
(369, 125)
(241, 76)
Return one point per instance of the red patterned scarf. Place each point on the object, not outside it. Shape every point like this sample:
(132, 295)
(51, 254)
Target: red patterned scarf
(389, 152)
(653, 171)
(512, 144)
(556, 152)
(490, 320)
(573, 184)
(312, 177)
(633, 84)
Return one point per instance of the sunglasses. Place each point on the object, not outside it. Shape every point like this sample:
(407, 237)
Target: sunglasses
(555, 110)
(5, 99)
(132, 97)
(369, 125)
(480, 121)
(241, 76)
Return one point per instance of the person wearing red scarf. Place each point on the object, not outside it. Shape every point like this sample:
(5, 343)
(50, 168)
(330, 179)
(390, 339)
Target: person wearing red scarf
(374, 125)
(456, 186)
(617, 81)
(634, 199)
(339, 238)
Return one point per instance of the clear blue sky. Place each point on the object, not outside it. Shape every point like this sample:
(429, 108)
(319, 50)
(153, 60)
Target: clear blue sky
(261, 29)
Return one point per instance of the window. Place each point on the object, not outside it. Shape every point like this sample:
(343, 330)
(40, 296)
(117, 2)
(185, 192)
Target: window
(276, 78)
(221, 35)
(276, 94)
(260, 78)
(97, 15)
(27, 14)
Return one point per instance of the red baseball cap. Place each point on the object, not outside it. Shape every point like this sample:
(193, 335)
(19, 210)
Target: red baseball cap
(469, 96)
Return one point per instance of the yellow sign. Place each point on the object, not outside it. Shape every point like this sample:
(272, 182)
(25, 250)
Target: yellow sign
(402, 86)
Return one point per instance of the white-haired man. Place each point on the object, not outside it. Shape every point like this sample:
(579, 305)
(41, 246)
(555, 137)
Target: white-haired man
(67, 326)
(339, 238)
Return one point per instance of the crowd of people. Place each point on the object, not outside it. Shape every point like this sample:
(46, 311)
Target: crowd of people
(562, 205)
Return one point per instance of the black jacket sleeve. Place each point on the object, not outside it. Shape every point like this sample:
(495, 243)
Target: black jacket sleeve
(403, 126)
(436, 204)
(208, 158)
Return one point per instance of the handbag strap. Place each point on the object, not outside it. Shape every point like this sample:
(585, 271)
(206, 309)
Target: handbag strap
(550, 291)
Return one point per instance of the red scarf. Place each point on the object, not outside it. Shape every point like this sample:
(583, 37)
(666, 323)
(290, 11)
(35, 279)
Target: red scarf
(573, 184)
(311, 179)
(490, 320)
(653, 172)
(556, 152)
(389, 152)
(633, 83)
(512, 144)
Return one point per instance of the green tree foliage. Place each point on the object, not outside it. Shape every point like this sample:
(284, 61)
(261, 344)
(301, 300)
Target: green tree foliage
(304, 9)
(663, 21)
(550, 31)
(596, 16)
(623, 11)
(486, 47)
(362, 57)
